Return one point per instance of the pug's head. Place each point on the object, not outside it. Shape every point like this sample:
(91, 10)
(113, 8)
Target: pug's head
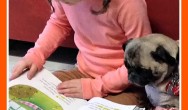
(150, 59)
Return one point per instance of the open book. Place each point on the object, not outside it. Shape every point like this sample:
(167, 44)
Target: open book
(40, 94)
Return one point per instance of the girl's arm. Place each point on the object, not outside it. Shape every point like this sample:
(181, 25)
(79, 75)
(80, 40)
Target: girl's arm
(54, 33)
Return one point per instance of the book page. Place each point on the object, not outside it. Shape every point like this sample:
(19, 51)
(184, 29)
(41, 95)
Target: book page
(98, 103)
(39, 94)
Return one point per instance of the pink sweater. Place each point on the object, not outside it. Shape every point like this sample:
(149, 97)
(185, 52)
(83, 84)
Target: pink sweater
(99, 39)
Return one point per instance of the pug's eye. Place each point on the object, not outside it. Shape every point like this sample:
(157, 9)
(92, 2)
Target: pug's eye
(156, 74)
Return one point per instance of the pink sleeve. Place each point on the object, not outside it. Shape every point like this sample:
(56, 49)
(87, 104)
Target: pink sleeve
(134, 21)
(54, 33)
(112, 82)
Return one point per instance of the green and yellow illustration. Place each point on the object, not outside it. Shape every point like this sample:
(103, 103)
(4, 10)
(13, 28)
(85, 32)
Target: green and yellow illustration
(30, 98)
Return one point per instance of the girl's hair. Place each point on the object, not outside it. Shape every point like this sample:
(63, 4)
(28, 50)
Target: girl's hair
(50, 2)
(101, 11)
(104, 9)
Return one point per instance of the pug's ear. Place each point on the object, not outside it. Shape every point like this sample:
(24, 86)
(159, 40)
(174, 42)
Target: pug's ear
(162, 55)
(125, 44)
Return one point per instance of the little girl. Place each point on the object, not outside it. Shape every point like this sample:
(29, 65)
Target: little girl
(101, 28)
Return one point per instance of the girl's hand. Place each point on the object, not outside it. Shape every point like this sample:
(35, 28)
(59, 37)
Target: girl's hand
(23, 65)
(71, 88)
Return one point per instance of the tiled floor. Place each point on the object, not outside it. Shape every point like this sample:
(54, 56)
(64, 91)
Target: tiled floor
(61, 59)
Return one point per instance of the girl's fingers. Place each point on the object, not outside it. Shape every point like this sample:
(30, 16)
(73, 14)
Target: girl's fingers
(69, 84)
(71, 92)
(21, 66)
(18, 70)
(71, 88)
(31, 73)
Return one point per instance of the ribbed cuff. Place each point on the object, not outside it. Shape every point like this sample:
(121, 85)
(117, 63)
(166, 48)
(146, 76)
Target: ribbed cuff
(88, 91)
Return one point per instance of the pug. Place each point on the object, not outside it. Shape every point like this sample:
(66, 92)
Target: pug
(152, 62)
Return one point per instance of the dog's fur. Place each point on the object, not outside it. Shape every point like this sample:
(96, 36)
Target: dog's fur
(151, 60)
